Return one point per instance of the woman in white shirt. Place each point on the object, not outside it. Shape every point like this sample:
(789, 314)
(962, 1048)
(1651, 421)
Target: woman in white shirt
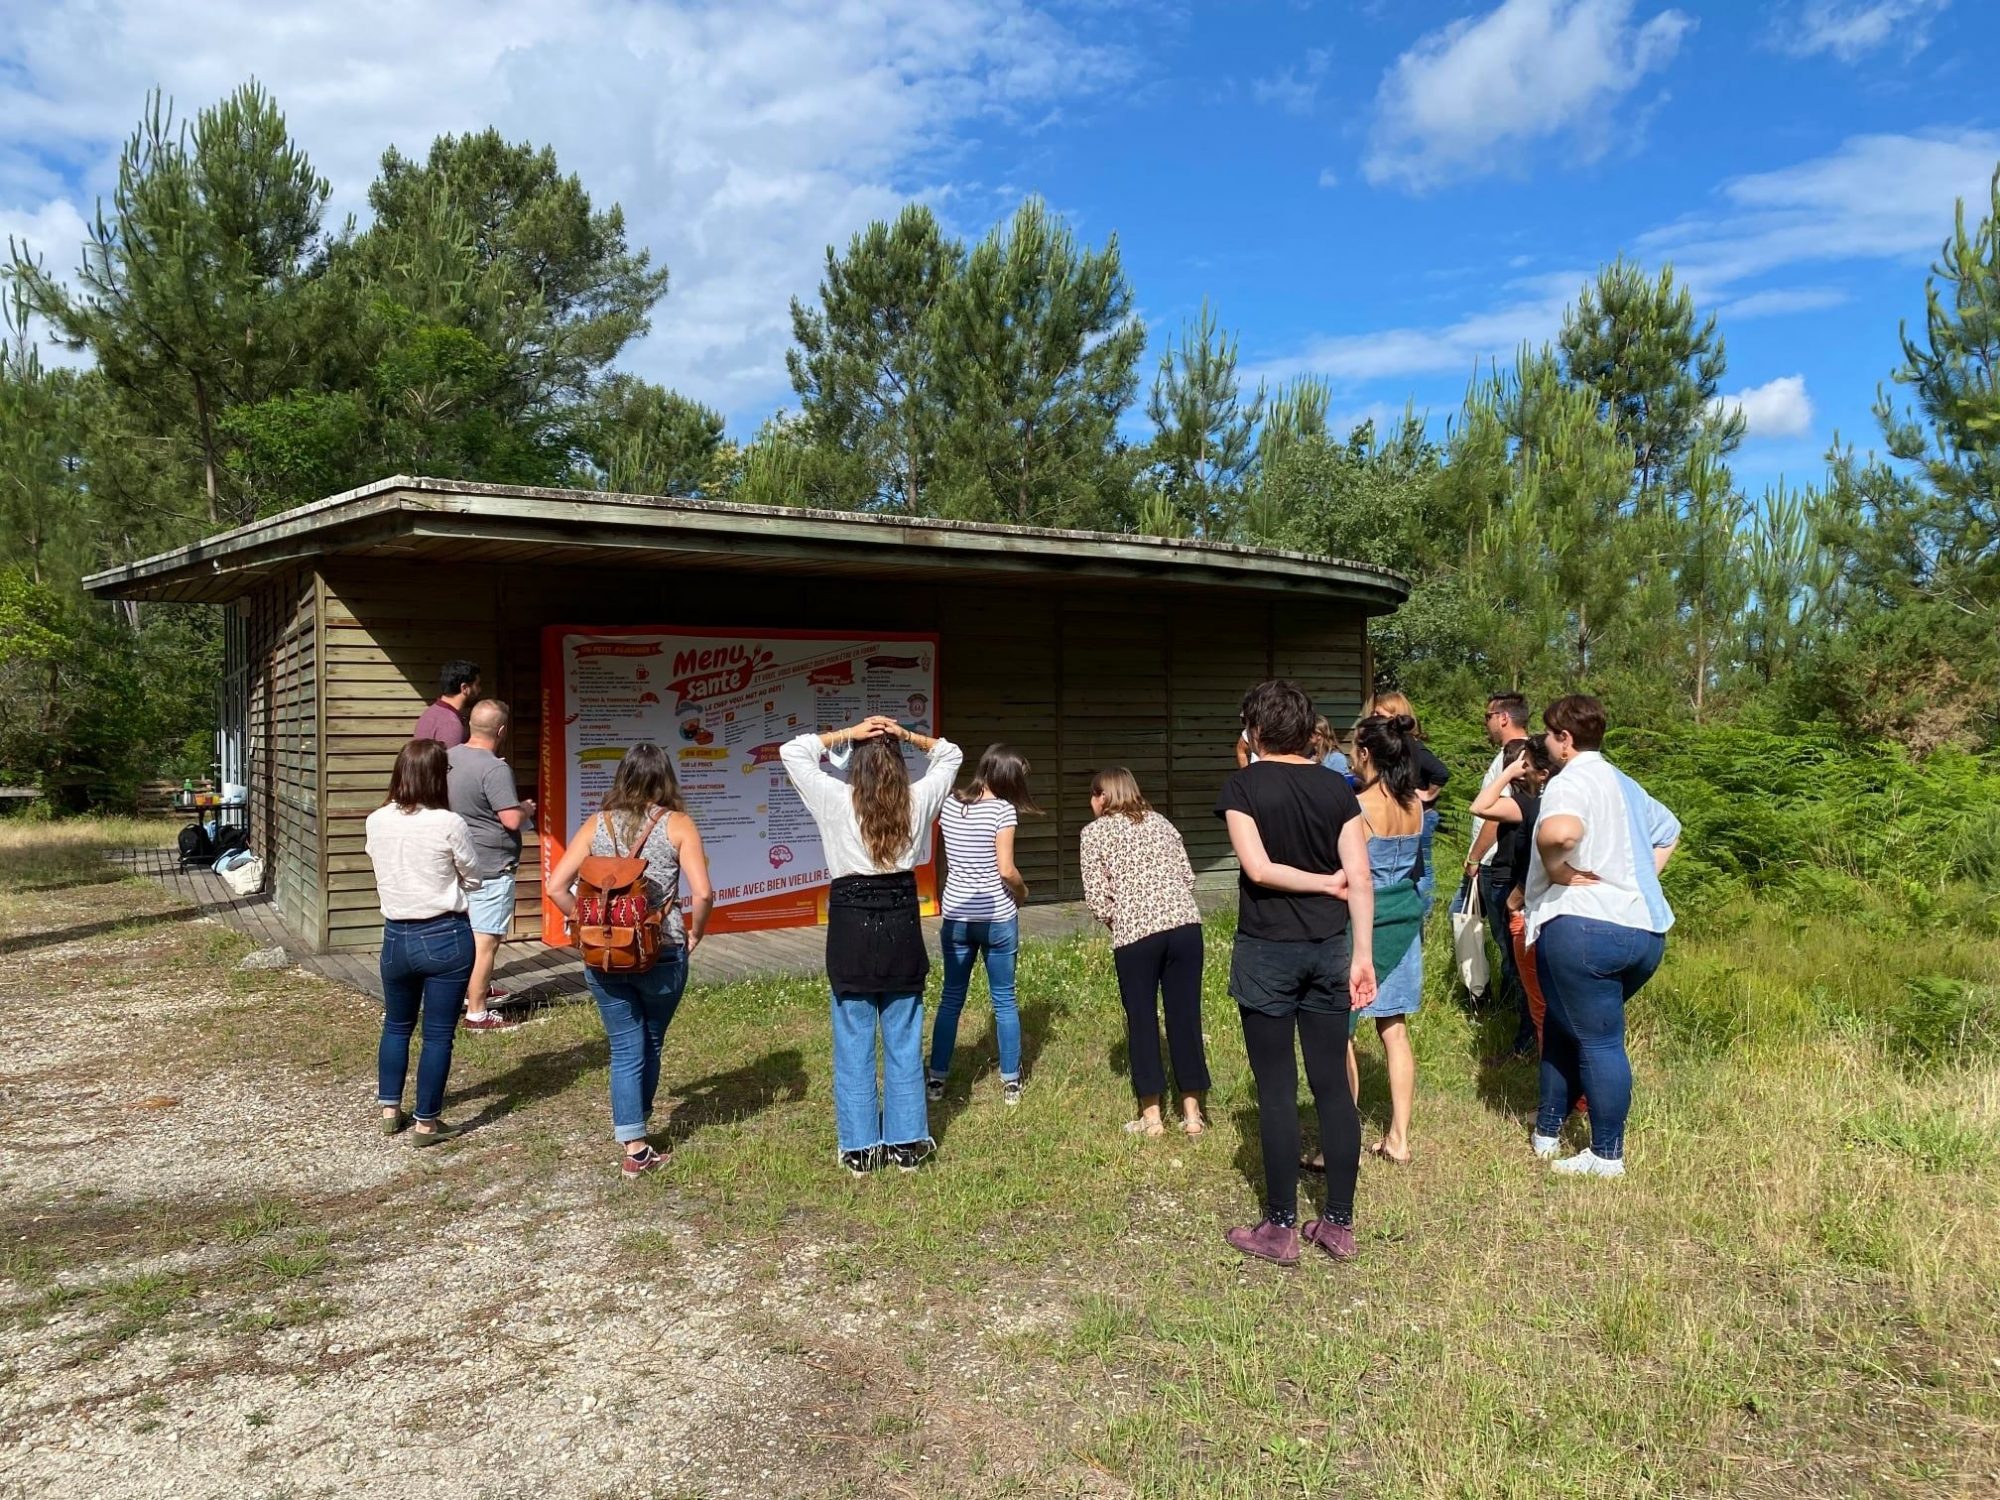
(872, 828)
(424, 864)
(982, 891)
(1598, 923)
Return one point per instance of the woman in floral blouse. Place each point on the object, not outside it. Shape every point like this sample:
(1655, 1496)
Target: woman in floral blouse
(1137, 881)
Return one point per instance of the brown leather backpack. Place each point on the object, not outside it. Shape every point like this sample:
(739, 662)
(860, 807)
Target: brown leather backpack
(615, 926)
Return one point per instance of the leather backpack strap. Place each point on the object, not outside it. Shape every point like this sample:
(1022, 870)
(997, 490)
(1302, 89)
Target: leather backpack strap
(646, 832)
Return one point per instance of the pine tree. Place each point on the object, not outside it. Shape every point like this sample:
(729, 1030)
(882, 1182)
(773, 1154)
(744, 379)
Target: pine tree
(1634, 341)
(646, 440)
(1709, 576)
(190, 294)
(1295, 414)
(1037, 353)
(865, 368)
(1202, 447)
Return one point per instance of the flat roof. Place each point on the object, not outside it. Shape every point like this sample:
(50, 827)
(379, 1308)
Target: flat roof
(458, 522)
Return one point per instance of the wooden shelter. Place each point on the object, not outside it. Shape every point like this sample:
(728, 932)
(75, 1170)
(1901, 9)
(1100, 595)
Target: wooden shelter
(1082, 649)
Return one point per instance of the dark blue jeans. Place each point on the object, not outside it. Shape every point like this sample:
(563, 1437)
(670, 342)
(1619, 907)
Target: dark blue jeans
(1588, 970)
(425, 966)
(636, 1010)
(963, 942)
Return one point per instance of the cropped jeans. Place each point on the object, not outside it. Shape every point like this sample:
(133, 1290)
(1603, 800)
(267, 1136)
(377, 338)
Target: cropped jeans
(963, 942)
(636, 1010)
(425, 965)
(895, 1114)
(1589, 969)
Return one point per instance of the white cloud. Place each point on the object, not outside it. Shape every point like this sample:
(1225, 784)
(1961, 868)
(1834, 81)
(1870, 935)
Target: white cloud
(740, 138)
(1296, 89)
(1850, 29)
(1776, 409)
(1467, 98)
(1328, 178)
(1780, 301)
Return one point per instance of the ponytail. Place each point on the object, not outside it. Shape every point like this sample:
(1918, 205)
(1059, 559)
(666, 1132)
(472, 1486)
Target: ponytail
(1390, 741)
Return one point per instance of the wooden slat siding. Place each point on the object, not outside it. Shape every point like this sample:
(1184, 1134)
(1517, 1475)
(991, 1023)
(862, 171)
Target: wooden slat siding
(389, 629)
(282, 755)
(1326, 654)
(1107, 676)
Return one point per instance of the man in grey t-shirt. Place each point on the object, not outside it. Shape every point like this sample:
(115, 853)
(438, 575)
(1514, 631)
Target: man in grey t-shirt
(482, 793)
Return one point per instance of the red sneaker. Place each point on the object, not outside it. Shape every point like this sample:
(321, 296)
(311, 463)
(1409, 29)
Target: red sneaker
(639, 1163)
(490, 1020)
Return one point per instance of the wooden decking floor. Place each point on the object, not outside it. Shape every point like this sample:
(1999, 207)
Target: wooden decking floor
(532, 973)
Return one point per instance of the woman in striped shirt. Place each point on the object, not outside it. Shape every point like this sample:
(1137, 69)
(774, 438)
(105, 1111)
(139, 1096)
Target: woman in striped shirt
(982, 887)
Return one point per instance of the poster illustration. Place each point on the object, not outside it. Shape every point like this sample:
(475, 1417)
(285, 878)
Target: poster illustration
(722, 704)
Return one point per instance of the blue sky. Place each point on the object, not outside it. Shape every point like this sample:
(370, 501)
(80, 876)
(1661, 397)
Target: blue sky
(1387, 192)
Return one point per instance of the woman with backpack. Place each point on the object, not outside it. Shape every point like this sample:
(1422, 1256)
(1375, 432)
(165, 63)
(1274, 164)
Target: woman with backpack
(424, 864)
(638, 847)
(982, 891)
(872, 827)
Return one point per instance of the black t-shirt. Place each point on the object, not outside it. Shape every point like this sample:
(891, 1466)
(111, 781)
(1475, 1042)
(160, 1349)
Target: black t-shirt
(1432, 773)
(1515, 840)
(1299, 811)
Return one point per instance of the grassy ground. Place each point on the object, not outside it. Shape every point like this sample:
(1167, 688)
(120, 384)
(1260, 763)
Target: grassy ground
(1796, 1291)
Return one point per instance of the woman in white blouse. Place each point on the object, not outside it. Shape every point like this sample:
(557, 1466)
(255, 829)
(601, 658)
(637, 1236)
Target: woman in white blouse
(872, 828)
(424, 864)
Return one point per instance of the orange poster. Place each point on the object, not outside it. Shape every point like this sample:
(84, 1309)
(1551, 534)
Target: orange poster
(722, 703)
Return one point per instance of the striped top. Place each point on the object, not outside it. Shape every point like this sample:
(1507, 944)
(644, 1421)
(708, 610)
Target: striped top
(973, 890)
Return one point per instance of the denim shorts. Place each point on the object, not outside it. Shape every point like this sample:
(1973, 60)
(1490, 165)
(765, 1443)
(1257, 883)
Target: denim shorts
(1281, 979)
(491, 907)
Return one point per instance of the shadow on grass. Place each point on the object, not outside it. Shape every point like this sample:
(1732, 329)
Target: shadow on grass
(541, 1076)
(736, 1095)
(975, 1061)
(31, 940)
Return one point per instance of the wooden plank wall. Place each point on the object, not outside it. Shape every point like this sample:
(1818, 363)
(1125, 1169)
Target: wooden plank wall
(283, 763)
(1075, 679)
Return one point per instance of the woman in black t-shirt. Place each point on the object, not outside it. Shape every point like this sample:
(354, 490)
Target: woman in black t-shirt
(1527, 770)
(1304, 955)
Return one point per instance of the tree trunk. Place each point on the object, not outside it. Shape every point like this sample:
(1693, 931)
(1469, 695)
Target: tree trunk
(207, 447)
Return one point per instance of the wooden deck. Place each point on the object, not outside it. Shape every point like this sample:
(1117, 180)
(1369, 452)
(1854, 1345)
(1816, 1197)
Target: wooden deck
(534, 974)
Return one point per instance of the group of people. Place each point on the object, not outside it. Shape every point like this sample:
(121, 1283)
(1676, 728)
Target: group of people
(1335, 879)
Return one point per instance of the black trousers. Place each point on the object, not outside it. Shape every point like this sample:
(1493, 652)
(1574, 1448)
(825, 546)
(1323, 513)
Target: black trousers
(1495, 884)
(1322, 1037)
(1166, 965)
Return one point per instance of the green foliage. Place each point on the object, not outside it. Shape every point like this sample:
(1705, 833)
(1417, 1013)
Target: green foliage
(1202, 445)
(867, 368)
(647, 440)
(1038, 349)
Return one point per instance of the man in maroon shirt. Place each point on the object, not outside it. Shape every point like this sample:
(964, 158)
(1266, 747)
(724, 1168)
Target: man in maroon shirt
(444, 720)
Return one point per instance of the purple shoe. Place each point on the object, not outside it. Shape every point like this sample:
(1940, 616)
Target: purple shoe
(1336, 1240)
(1267, 1241)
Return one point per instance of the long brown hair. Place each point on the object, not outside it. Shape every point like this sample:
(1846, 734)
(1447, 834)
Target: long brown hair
(1003, 771)
(1120, 790)
(422, 776)
(1388, 706)
(879, 783)
(644, 780)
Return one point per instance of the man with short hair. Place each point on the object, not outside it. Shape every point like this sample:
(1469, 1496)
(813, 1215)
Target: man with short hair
(1506, 726)
(444, 720)
(482, 793)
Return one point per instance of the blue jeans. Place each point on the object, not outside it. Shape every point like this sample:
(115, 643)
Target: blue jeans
(895, 1114)
(425, 966)
(1589, 969)
(963, 942)
(1427, 884)
(636, 1010)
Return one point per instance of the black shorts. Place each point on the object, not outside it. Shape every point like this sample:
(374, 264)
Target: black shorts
(1280, 979)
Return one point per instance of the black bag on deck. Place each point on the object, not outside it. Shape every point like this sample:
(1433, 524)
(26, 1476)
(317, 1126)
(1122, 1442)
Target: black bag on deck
(230, 837)
(196, 846)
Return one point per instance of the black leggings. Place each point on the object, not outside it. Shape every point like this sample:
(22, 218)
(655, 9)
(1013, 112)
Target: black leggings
(1323, 1039)
(1167, 964)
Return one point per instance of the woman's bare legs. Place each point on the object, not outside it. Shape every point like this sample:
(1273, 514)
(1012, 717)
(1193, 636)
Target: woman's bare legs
(1402, 1063)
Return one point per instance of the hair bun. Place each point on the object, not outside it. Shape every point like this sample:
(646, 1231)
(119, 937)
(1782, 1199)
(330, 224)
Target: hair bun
(1405, 723)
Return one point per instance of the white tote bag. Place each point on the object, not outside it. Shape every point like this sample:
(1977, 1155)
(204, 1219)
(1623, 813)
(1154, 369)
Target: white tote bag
(1468, 937)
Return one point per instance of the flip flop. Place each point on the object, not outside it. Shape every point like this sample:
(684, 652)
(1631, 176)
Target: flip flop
(1147, 1128)
(1312, 1164)
(1381, 1153)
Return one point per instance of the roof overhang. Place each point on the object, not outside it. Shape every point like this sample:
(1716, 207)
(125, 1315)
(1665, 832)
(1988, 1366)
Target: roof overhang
(457, 523)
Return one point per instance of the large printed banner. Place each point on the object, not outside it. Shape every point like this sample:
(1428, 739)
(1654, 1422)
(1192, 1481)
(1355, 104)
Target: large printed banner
(722, 703)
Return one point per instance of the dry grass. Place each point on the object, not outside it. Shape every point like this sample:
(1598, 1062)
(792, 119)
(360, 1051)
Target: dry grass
(1796, 1291)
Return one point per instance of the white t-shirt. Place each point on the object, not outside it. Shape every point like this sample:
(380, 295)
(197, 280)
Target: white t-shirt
(973, 889)
(1493, 770)
(424, 861)
(1622, 826)
(827, 798)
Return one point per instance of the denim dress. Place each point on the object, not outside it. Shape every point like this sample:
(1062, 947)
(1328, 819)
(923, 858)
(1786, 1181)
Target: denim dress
(1400, 992)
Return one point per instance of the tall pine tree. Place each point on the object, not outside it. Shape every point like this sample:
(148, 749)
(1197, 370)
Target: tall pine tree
(1202, 446)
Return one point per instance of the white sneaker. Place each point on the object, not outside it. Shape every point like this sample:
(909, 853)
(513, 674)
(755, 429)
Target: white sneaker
(1545, 1146)
(1586, 1164)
